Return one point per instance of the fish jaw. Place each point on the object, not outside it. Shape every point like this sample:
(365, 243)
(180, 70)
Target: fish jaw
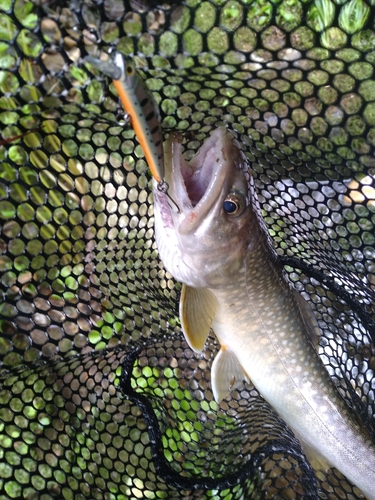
(193, 243)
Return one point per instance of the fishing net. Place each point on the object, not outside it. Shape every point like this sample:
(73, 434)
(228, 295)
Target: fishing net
(101, 397)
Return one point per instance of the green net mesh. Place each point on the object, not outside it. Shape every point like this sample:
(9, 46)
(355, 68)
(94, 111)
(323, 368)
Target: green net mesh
(101, 397)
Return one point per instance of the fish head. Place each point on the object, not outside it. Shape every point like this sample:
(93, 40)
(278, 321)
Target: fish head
(206, 241)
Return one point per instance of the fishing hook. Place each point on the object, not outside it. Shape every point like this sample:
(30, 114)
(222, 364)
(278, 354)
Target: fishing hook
(163, 187)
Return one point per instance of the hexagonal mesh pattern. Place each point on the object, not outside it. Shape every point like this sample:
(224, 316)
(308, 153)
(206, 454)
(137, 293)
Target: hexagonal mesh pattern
(101, 396)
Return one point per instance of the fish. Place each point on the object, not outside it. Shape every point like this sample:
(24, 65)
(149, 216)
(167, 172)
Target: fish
(218, 247)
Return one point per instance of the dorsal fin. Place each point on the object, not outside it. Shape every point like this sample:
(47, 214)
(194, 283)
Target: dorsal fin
(197, 311)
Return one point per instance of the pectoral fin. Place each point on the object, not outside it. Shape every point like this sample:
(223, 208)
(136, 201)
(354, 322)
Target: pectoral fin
(197, 311)
(309, 320)
(226, 374)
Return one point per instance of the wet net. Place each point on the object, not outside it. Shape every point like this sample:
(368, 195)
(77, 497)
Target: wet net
(101, 397)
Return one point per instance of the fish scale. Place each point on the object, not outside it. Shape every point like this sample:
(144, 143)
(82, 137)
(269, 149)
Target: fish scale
(276, 329)
(233, 283)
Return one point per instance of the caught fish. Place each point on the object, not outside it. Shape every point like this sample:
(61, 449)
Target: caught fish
(218, 247)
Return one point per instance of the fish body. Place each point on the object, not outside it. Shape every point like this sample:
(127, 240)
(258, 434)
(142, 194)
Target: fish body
(217, 246)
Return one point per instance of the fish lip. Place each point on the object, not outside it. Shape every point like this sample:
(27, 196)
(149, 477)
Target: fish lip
(209, 167)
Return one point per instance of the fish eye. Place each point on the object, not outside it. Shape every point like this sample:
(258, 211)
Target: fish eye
(234, 204)
(230, 206)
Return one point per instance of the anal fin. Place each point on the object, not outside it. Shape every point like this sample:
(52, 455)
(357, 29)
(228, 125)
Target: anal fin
(226, 374)
(197, 311)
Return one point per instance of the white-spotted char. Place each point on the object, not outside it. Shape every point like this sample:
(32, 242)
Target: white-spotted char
(217, 246)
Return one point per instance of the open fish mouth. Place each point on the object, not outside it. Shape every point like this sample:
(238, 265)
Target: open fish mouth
(196, 185)
(197, 174)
